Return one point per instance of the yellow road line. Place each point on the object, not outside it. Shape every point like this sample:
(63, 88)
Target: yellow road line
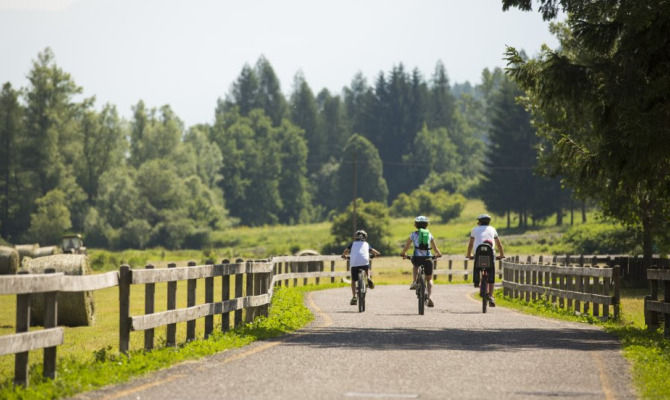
(141, 387)
(604, 380)
(327, 321)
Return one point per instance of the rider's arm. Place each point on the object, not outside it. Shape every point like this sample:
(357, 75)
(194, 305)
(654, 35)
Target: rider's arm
(499, 245)
(470, 244)
(345, 252)
(435, 249)
(375, 252)
(404, 250)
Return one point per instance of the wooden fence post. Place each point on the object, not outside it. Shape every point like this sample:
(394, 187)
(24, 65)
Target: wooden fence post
(465, 267)
(149, 294)
(278, 271)
(294, 268)
(332, 269)
(125, 278)
(50, 321)
(305, 268)
(191, 287)
(171, 329)
(22, 325)
(666, 317)
(209, 299)
(239, 278)
(249, 311)
(450, 265)
(225, 295)
(616, 278)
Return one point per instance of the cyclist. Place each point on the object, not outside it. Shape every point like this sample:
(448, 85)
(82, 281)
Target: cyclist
(485, 233)
(422, 254)
(359, 251)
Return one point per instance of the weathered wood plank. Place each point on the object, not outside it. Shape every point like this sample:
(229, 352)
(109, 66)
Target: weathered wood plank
(30, 283)
(660, 274)
(143, 322)
(658, 306)
(324, 274)
(305, 258)
(574, 271)
(26, 341)
(85, 283)
(586, 297)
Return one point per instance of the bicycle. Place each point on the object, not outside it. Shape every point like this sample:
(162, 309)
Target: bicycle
(362, 285)
(421, 286)
(484, 262)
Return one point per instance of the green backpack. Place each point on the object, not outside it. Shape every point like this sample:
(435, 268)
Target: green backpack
(424, 239)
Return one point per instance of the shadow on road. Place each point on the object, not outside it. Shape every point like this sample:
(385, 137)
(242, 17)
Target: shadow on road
(457, 339)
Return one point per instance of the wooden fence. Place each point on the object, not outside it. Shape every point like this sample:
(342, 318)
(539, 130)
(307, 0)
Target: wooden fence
(24, 287)
(656, 311)
(582, 288)
(253, 283)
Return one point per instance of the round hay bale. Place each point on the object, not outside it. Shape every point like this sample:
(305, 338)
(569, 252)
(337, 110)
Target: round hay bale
(46, 251)
(9, 260)
(26, 250)
(74, 308)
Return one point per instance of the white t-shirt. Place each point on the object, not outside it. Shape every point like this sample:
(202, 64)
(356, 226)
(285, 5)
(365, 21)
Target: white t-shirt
(359, 253)
(482, 233)
(414, 237)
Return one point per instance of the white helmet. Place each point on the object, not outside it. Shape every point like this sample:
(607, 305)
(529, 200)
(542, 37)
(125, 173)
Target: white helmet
(421, 218)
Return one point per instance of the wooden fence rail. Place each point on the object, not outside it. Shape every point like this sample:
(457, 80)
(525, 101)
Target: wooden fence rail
(655, 310)
(580, 288)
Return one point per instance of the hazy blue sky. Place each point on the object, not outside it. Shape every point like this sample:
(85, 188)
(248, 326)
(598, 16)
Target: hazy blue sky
(187, 53)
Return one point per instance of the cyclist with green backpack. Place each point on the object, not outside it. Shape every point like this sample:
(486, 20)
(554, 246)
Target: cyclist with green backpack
(423, 242)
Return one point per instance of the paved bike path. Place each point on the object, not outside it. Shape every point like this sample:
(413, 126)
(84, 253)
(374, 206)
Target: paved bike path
(389, 352)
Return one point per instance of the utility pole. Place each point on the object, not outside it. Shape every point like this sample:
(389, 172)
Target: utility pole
(355, 185)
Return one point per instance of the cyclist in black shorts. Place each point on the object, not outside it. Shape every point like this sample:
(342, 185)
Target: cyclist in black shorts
(422, 254)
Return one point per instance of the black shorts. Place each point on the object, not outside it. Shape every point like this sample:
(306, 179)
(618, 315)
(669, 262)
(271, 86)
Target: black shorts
(354, 271)
(427, 263)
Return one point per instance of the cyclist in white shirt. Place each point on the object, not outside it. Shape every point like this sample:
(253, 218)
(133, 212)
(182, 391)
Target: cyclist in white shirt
(359, 258)
(484, 233)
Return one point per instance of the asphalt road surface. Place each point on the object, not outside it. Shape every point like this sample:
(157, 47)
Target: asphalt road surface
(390, 352)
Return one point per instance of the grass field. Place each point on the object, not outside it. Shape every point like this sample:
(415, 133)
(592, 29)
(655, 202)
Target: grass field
(266, 241)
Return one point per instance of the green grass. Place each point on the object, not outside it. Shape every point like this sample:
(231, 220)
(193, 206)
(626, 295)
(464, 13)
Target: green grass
(648, 352)
(78, 372)
(266, 241)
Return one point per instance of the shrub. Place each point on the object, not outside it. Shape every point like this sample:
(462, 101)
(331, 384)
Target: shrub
(373, 217)
(601, 239)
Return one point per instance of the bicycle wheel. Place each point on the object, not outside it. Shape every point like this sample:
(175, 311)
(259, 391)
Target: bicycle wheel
(483, 292)
(361, 291)
(421, 292)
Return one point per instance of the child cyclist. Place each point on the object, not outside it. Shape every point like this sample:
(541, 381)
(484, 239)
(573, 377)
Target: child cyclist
(423, 242)
(359, 251)
(484, 233)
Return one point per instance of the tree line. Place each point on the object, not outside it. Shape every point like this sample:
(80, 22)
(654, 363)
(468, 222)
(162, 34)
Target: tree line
(267, 158)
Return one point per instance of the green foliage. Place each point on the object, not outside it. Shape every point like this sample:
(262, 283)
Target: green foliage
(369, 183)
(422, 202)
(51, 219)
(597, 103)
(601, 239)
(371, 216)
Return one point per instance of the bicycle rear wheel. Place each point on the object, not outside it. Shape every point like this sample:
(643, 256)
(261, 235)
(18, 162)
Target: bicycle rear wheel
(421, 292)
(362, 281)
(483, 292)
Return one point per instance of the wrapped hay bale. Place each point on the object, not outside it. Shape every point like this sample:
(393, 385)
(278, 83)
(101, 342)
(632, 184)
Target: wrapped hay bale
(9, 260)
(46, 251)
(74, 308)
